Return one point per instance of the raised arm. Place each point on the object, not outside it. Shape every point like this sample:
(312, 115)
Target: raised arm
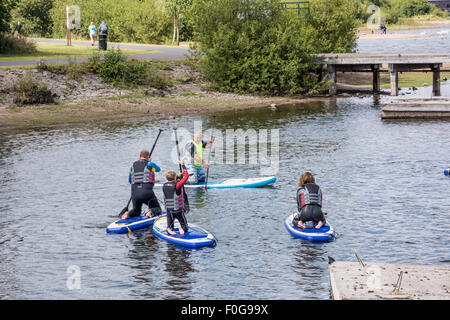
(184, 179)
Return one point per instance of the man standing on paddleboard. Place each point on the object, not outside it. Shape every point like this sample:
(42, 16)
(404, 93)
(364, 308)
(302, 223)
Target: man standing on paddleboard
(193, 158)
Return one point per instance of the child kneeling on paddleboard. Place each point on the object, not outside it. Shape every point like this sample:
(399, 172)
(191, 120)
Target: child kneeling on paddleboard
(174, 201)
(309, 202)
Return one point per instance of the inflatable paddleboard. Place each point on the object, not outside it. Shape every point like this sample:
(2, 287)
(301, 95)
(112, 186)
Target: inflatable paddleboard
(196, 237)
(324, 234)
(131, 224)
(233, 183)
(446, 171)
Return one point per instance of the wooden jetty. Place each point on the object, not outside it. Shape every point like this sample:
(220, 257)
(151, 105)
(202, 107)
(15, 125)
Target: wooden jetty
(396, 62)
(416, 108)
(384, 281)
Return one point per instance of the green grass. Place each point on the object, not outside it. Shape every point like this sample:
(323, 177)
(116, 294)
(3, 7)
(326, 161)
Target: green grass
(61, 51)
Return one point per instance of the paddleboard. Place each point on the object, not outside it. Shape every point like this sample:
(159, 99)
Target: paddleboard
(196, 236)
(324, 234)
(131, 224)
(233, 183)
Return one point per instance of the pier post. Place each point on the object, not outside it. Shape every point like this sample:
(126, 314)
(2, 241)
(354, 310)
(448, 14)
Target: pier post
(436, 77)
(394, 79)
(376, 78)
(332, 76)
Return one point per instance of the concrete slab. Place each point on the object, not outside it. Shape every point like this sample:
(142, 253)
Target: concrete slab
(378, 281)
(416, 107)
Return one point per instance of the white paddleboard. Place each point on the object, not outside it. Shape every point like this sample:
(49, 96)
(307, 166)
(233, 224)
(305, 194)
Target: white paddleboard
(232, 183)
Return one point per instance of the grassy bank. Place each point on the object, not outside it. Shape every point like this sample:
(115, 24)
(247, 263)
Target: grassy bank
(86, 98)
(135, 106)
(59, 51)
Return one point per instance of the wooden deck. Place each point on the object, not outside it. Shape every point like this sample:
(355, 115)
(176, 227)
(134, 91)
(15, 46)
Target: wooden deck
(396, 62)
(385, 281)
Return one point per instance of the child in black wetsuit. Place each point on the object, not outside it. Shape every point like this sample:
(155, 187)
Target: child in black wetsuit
(174, 200)
(309, 202)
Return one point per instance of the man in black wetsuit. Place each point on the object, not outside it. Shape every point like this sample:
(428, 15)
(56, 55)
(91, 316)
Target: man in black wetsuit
(142, 180)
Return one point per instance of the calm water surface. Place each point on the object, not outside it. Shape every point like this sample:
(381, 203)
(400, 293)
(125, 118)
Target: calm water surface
(383, 183)
(437, 40)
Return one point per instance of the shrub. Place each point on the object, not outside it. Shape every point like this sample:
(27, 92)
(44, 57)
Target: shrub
(116, 69)
(29, 91)
(12, 44)
(257, 47)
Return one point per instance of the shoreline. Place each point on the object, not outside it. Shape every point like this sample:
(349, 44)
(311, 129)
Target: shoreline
(136, 108)
(88, 99)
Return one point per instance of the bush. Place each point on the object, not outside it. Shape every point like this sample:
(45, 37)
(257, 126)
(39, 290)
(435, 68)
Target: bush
(12, 44)
(117, 69)
(29, 91)
(257, 47)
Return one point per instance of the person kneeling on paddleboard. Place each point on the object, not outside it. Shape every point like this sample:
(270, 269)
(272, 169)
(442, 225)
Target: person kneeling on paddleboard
(142, 180)
(193, 157)
(309, 202)
(174, 201)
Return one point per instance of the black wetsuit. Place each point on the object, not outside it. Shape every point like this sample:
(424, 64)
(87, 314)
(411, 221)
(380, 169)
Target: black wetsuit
(174, 202)
(309, 204)
(142, 179)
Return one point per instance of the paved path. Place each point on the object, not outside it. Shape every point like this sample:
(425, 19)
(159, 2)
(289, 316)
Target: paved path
(161, 52)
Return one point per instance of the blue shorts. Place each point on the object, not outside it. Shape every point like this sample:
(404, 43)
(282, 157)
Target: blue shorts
(196, 174)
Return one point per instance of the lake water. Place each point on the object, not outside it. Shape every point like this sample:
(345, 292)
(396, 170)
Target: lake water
(383, 184)
(436, 40)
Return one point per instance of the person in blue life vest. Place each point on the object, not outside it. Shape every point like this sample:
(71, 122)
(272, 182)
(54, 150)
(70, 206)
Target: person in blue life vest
(193, 158)
(174, 200)
(309, 202)
(142, 180)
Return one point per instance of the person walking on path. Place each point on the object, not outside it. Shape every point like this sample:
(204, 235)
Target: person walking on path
(103, 28)
(92, 33)
(18, 28)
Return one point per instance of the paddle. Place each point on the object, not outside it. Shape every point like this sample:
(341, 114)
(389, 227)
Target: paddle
(210, 148)
(186, 200)
(151, 151)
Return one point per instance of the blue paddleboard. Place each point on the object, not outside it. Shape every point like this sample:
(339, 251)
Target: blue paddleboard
(131, 224)
(196, 237)
(324, 234)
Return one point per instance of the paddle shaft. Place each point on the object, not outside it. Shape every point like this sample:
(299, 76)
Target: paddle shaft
(181, 169)
(151, 152)
(210, 148)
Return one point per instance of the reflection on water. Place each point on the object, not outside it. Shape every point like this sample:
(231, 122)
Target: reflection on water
(61, 187)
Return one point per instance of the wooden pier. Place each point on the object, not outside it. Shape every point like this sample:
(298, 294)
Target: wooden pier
(416, 108)
(384, 281)
(396, 62)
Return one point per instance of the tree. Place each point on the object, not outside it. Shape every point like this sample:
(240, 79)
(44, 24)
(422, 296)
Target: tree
(331, 27)
(178, 10)
(5, 14)
(34, 16)
(252, 46)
